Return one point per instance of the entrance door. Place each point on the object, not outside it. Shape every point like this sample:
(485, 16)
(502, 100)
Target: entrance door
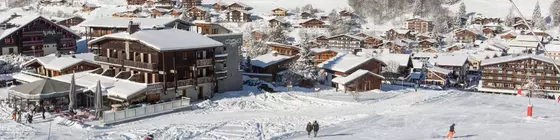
(200, 93)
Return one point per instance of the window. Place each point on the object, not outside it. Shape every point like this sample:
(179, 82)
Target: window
(185, 74)
(548, 74)
(509, 78)
(225, 65)
(519, 79)
(547, 81)
(198, 55)
(225, 48)
(499, 78)
(519, 72)
(185, 56)
(538, 74)
(214, 31)
(11, 50)
(500, 71)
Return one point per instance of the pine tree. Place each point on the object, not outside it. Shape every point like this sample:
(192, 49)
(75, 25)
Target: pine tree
(537, 18)
(461, 15)
(303, 70)
(510, 18)
(555, 12)
(248, 65)
(184, 16)
(417, 8)
(277, 34)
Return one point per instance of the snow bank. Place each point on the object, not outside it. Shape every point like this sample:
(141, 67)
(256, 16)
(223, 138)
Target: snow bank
(500, 8)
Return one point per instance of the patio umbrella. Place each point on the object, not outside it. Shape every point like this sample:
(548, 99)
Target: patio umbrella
(72, 94)
(98, 100)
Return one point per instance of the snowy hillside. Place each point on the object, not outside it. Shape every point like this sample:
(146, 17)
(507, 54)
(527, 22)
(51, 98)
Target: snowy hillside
(500, 8)
(265, 6)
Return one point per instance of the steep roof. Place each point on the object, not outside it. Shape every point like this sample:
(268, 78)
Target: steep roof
(345, 62)
(165, 40)
(118, 22)
(510, 58)
(357, 74)
(308, 20)
(401, 59)
(22, 21)
(279, 19)
(439, 70)
(268, 59)
(240, 3)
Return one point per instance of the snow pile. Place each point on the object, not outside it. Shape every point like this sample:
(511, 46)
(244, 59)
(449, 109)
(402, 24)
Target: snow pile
(67, 122)
(12, 63)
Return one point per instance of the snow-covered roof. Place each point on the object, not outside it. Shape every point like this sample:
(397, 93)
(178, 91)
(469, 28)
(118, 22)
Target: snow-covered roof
(279, 8)
(423, 55)
(523, 44)
(370, 35)
(161, 10)
(450, 60)
(111, 86)
(439, 70)
(552, 47)
(90, 5)
(240, 3)
(59, 63)
(430, 41)
(240, 10)
(268, 59)
(26, 77)
(510, 58)
(401, 31)
(417, 64)
(492, 24)
(119, 22)
(345, 62)
(165, 40)
(401, 59)
(279, 19)
(203, 8)
(24, 20)
(357, 74)
(528, 38)
(348, 35)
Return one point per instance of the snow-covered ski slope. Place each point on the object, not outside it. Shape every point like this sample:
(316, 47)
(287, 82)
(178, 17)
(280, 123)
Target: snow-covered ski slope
(500, 8)
(396, 114)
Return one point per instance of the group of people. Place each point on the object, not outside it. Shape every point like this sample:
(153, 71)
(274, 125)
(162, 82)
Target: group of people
(312, 127)
(16, 114)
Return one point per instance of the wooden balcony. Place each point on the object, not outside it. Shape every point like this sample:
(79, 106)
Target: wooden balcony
(130, 63)
(33, 43)
(33, 52)
(67, 48)
(180, 83)
(221, 75)
(114, 61)
(154, 87)
(202, 80)
(204, 62)
(32, 33)
(137, 64)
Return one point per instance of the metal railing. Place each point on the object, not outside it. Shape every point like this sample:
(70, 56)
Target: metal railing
(204, 62)
(180, 83)
(111, 117)
(201, 80)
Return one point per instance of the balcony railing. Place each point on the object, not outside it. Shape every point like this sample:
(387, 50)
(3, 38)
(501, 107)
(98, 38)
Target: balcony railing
(67, 48)
(33, 33)
(202, 80)
(33, 52)
(180, 83)
(154, 87)
(204, 62)
(140, 64)
(130, 63)
(33, 43)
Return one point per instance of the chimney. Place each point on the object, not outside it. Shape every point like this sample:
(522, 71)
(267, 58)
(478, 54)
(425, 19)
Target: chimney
(274, 53)
(132, 27)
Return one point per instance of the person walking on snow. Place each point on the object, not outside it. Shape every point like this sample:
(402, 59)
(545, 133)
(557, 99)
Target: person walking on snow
(14, 116)
(309, 128)
(19, 116)
(451, 131)
(149, 137)
(559, 99)
(315, 128)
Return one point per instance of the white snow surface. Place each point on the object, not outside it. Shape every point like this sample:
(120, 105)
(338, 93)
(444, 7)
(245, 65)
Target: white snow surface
(500, 8)
(391, 113)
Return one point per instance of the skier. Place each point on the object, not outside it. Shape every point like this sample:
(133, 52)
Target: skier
(451, 131)
(309, 128)
(19, 116)
(14, 116)
(149, 137)
(29, 118)
(315, 128)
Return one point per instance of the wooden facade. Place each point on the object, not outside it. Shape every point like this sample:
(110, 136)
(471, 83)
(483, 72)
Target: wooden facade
(175, 12)
(393, 34)
(38, 37)
(282, 49)
(371, 42)
(510, 75)
(211, 28)
(238, 16)
(435, 77)
(136, 2)
(198, 13)
(363, 83)
(191, 3)
(465, 36)
(238, 6)
(164, 70)
(279, 12)
(322, 56)
(322, 40)
(313, 23)
(73, 21)
(158, 12)
(424, 44)
(419, 25)
(347, 42)
(79, 67)
(219, 6)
